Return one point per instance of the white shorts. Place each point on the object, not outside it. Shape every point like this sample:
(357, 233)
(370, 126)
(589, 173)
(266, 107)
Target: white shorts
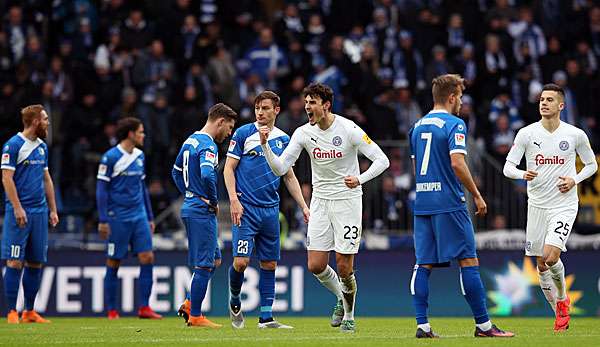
(335, 225)
(548, 227)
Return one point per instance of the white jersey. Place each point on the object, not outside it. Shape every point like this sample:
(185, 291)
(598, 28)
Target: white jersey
(551, 155)
(334, 155)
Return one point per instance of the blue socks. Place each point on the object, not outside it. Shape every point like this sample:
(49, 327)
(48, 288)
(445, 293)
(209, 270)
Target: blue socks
(12, 277)
(198, 291)
(235, 286)
(266, 287)
(472, 287)
(145, 284)
(31, 284)
(110, 288)
(419, 288)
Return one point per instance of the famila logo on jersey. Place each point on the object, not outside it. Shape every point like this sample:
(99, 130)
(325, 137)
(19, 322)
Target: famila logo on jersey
(555, 160)
(331, 154)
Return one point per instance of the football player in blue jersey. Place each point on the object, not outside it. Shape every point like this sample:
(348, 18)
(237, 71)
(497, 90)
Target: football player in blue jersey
(125, 214)
(252, 188)
(195, 175)
(443, 229)
(29, 197)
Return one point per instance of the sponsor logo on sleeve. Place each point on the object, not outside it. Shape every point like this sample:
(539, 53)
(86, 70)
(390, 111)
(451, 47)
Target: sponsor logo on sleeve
(102, 169)
(367, 139)
(5, 158)
(459, 139)
(210, 157)
(232, 144)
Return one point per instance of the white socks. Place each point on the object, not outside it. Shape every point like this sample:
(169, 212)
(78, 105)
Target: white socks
(330, 280)
(349, 293)
(485, 326)
(558, 276)
(548, 288)
(425, 327)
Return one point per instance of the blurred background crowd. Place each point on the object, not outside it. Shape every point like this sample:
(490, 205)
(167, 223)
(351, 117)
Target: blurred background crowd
(91, 62)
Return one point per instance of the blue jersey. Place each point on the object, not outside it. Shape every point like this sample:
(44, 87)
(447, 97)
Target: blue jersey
(432, 139)
(197, 164)
(256, 184)
(124, 172)
(29, 160)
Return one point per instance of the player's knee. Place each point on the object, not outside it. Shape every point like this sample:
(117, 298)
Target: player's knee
(240, 263)
(316, 267)
(146, 258)
(34, 265)
(268, 265)
(550, 259)
(114, 263)
(217, 263)
(15, 264)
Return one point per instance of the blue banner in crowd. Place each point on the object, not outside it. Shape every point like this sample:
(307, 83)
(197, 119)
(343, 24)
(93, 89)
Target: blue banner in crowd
(72, 285)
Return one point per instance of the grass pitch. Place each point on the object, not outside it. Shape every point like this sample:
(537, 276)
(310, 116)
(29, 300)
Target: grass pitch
(308, 332)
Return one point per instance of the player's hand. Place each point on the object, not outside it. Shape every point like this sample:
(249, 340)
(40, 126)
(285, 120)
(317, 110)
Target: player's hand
(152, 226)
(264, 134)
(306, 213)
(103, 230)
(20, 217)
(236, 212)
(481, 206)
(351, 181)
(529, 175)
(565, 184)
(53, 219)
(216, 207)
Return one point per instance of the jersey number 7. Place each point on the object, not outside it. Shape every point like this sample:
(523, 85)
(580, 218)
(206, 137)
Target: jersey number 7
(425, 162)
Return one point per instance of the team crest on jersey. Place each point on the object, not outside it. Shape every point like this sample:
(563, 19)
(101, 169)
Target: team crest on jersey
(232, 144)
(41, 151)
(459, 139)
(5, 158)
(139, 162)
(528, 246)
(278, 144)
(337, 141)
(563, 145)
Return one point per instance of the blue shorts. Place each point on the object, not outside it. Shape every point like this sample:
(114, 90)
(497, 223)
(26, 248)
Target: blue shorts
(259, 230)
(203, 247)
(134, 232)
(30, 242)
(440, 238)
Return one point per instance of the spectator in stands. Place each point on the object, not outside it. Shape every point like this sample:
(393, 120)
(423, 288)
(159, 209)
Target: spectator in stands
(503, 104)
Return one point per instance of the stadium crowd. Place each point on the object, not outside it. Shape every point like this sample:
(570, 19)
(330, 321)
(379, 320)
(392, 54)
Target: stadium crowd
(92, 62)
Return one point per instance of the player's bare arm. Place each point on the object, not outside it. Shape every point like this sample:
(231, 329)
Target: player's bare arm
(229, 176)
(49, 188)
(104, 230)
(459, 165)
(13, 197)
(293, 186)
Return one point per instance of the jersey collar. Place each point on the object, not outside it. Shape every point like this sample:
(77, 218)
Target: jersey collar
(204, 133)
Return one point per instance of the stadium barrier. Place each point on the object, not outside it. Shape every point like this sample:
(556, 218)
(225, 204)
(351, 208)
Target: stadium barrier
(72, 285)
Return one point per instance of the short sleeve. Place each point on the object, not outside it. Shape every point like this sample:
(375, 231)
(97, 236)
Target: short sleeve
(518, 148)
(10, 152)
(410, 142)
(457, 138)
(105, 169)
(236, 145)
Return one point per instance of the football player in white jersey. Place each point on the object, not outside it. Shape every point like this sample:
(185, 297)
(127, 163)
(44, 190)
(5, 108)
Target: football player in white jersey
(550, 147)
(333, 143)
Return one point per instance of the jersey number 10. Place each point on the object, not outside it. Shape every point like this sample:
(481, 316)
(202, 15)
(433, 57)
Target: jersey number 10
(425, 162)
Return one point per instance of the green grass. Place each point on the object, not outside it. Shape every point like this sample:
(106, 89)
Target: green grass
(307, 332)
